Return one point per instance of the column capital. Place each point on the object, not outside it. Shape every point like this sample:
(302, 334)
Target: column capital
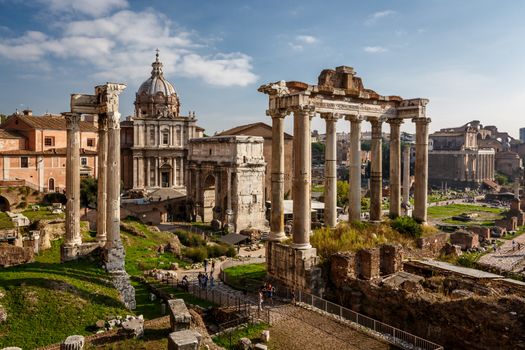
(330, 116)
(113, 120)
(72, 120)
(304, 110)
(277, 113)
(395, 121)
(425, 121)
(354, 118)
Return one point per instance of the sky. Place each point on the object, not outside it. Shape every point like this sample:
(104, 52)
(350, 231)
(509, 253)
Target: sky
(467, 57)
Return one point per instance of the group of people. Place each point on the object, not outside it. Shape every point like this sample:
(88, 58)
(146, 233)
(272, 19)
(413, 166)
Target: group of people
(266, 292)
(204, 279)
(516, 245)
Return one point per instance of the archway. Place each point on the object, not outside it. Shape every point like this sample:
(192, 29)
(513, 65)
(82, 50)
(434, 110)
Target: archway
(208, 198)
(51, 185)
(4, 204)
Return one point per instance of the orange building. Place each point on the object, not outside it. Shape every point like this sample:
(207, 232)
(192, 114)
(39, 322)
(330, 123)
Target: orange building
(33, 148)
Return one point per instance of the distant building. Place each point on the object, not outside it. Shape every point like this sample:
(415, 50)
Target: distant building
(155, 140)
(33, 149)
(265, 131)
(522, 135)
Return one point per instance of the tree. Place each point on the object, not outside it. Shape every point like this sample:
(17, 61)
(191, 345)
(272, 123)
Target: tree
(3, 118)
(88, 192)
(318, 152)
(342, 194)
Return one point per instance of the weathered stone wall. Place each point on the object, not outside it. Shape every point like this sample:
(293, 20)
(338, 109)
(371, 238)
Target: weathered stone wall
(368, 263)
(11, 255)
(433, 244)
(483, 232)
(50, 230)
(391, 259)
(465, 239)
(509, 223)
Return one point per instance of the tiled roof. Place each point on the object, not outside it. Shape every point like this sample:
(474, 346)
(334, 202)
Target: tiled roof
(10, 134)
(53, 123)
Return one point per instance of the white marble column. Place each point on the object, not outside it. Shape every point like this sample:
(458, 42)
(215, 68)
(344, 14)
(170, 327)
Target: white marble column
(376, 176)
(72, 237)
(330, 170)
(156, 183)
(302, 147)
(148, 171)
(277, 177)
(354, 205)
(395, 167)
(421, 170)
(406, 177)
(102, 178)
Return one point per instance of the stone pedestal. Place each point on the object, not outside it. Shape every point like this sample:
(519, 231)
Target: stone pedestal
(73, 342)
(184, 340)
(180, 317)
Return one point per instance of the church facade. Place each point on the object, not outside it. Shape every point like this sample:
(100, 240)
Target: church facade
(155, 140)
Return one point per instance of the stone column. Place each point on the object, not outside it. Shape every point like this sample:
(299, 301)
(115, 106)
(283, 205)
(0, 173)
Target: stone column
(277, 207)
(395, 167)
(302, 179)
(102, 178)
(354, 205)
(73, 238)
(229, 212)
(330, 170)
(376, 177)
(148, 171)
(406, 177)
(421, 170)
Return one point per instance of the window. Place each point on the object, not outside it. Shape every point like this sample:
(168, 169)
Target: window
(83, 161)
(165, 138)
(49, 141)
(91, 142)
(152, 136)
(254, 198)
(24, 162)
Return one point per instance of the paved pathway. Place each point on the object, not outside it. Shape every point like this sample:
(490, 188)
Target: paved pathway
(507, 259)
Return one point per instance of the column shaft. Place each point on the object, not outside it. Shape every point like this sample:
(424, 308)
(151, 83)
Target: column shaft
(102, 178)
(330, 171)
(376, 177)
(73, 180)
(421, 170)
(302, 180)
(277, 173)
(354, 205)
(406, 177)
(395, 167)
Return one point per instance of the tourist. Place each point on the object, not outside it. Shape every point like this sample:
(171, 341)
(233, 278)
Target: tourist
(212, 265)
(205, 265)
(212, 280)
(204, 281)
(293, 296)
(513, 245)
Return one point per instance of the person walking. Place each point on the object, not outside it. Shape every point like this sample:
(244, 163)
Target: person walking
(212, 280)
(513, 245)
(205, 265)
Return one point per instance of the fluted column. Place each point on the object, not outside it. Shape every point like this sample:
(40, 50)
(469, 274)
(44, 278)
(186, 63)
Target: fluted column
(302, 179)
(277, 206)
(102, 178)
(406, 177)
(395, 167)
(330, 170)
(73, 237)
(376, 176)
(354, 205)
(421, 170)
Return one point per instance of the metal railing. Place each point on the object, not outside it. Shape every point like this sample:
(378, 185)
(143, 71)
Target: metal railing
(391, 334)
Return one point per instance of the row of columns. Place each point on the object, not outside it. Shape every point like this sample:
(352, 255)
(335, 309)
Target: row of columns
(142, 167)
(302, 172)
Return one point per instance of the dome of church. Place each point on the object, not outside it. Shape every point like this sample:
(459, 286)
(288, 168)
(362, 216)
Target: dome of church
(157, 83)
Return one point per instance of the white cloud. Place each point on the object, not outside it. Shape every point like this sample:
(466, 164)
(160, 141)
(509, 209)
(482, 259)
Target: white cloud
(306, 39)
(373, 18)
(93, 8)
(375, 49)
(121, 46)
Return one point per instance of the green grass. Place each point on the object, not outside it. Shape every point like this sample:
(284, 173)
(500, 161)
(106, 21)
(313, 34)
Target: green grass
(5, 221)
(230, 340)
(180, 294)
(46, 301)
(250, 276)
(318, 188)
(445, 211)
(141, 252)
(42, 214)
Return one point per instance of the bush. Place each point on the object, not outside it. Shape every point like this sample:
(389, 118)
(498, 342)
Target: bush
(55, 197)
(217, 250)
(190, 239)
(196, 254)
(22, 205)
(468, 259)
(407, 226)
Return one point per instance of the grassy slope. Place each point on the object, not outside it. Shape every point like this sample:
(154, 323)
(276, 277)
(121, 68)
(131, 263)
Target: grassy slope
(47, 301)
(445, 211)
(5, 221)
(42, 214)
(249, 276)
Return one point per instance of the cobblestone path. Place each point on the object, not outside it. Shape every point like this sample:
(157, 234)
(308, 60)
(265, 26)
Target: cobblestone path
(506, 259)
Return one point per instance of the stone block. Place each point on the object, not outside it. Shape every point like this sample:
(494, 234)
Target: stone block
(120, 280)
(464, 239)
(245, 343)
(342, 268)
(391, 259)
(73, 342)
(265, 336)
(368, 262)
(11, 255)
(12, 348)
(134, 327)
(184, 340)
(260, 346)
(452, 250)
(483, 232)
(180, 317)
(432, 244)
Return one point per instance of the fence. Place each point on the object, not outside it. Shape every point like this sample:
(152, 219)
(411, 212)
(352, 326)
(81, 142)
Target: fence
(393, 335)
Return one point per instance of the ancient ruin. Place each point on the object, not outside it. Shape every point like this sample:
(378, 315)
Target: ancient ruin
(105, 105)
(338, 94)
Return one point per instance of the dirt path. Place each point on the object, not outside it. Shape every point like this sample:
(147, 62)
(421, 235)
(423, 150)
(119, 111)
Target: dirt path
(295, 328)
(506, 258)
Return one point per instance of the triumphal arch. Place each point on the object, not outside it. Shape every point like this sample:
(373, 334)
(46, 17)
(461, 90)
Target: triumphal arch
(338, 94)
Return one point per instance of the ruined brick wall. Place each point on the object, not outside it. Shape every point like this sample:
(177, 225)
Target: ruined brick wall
(342, 268)
(433, 244)
(464, 239)
(510, 223)
(368, 263)
(11, 255)
(483, 232)
(391, 259)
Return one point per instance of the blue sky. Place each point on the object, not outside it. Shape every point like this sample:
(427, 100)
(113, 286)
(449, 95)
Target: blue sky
(467, 57)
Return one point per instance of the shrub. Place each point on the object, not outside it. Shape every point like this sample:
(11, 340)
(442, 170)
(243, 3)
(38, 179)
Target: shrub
(468, 259)
(217, 250)
(408, 226)
(190, 239)
(55, 197)
(196, 254)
